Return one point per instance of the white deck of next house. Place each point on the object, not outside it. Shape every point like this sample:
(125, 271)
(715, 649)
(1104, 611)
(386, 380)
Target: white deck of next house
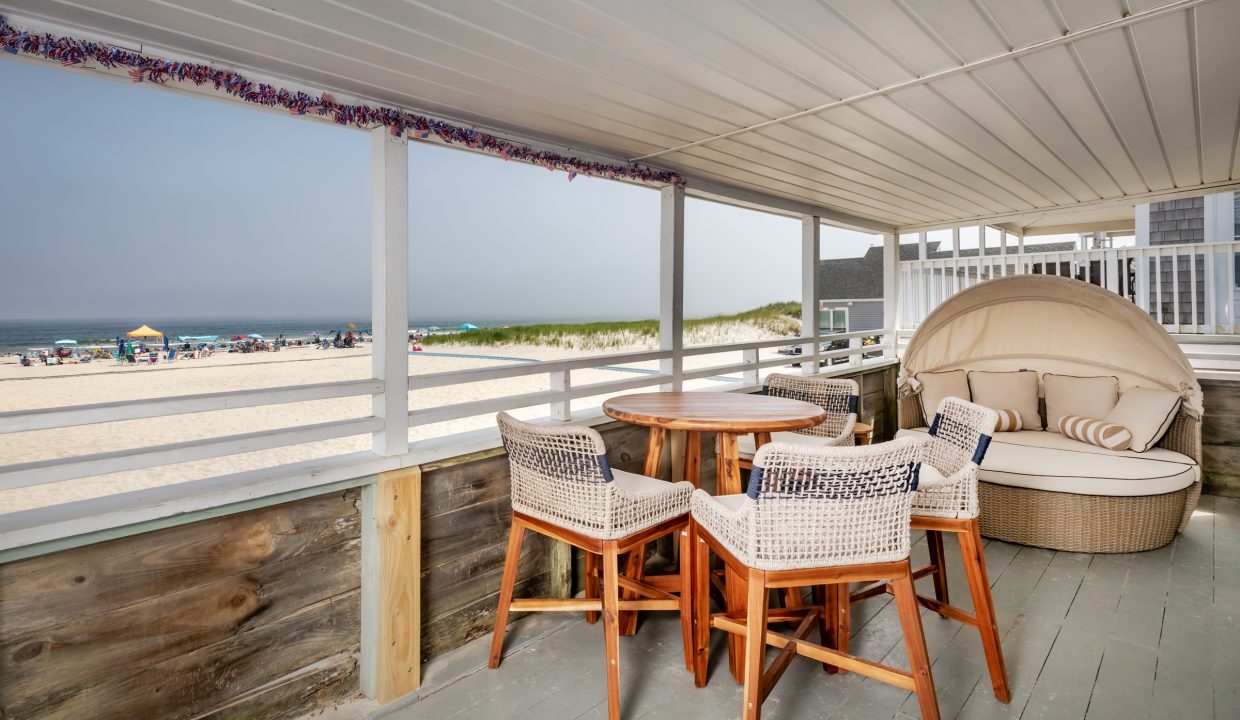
(1145, 635)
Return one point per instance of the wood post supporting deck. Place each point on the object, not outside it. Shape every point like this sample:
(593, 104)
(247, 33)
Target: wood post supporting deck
(391, 585)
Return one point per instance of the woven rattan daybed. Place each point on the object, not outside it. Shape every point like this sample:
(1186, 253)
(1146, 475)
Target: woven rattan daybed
(1041, 488)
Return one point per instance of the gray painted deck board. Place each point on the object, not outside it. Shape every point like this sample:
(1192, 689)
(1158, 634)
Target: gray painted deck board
(1149, 635)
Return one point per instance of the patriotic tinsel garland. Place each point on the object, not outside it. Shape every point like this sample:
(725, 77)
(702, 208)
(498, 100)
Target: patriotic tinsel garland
(71, 52)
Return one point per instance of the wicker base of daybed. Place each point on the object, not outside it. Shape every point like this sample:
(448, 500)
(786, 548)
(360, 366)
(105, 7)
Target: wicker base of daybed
(1080, 523)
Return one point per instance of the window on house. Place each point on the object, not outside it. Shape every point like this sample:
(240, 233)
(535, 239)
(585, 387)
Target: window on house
(833, 320)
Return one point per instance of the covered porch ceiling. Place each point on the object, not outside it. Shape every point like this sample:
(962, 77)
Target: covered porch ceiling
(879, 112)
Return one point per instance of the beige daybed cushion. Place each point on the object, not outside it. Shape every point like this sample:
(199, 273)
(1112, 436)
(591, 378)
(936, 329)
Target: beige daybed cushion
(938, 385)
(1016, 390)
(1088, 397)
(1049, 461)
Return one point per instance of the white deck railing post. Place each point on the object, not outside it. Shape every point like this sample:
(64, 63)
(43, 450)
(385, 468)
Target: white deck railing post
(891, 292)
(562, 381)
(811, 326)
(389, 259)
(672, 284)
(750, 376)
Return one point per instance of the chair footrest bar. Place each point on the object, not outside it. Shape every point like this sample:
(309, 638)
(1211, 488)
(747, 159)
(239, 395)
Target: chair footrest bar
(784, 659)
(589, 604)
(810, 650)
(874, 589)
(921, 572)
(950, 611)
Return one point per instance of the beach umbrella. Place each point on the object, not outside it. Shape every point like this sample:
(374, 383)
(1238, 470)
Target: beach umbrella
(468, 326)
(167, 347)
(256, 336)
(120, 346)
(352, 326)
(146, 331)
(66, 342)
(237, 337)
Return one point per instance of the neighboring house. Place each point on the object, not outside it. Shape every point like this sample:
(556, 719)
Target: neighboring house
(851, 289)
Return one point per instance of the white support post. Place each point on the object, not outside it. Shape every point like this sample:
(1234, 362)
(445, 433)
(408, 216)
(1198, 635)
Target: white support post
(854, 344)
(1020, 244)
(389, 287)
(389, 259)
(562, 381)
(956, 241)
(749, 377)
(891, 293)
(810, 326)
(922, 251)
(672, 284)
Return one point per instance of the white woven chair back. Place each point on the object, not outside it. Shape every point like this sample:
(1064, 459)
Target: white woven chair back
(823, 506)
(559, 474)
(838, 396)
(959, 437)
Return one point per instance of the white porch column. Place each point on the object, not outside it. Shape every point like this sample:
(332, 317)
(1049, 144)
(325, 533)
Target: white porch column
(672, 283)
(922, 253)
(389, 287)
(810, 325)
(891, 292)
(389, 657)
(956, 241)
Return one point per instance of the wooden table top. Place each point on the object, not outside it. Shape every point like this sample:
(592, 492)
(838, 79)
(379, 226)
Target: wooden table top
(714, 411)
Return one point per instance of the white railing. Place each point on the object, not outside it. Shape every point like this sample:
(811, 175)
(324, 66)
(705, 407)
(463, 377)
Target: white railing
(558, 399)
(1188, 288)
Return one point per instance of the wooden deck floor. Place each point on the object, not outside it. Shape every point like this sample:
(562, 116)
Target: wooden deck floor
(1149, 635)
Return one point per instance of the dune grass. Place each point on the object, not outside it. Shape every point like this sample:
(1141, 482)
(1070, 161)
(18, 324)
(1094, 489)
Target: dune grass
(782, 318)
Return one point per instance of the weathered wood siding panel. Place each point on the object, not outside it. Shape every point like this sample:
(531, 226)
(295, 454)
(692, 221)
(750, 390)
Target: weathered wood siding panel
(1220, 438)
(247, 615)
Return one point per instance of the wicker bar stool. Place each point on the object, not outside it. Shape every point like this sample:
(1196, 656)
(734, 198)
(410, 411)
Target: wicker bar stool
(819, 516)
(838, 396)
(563, 487)
(946, 501)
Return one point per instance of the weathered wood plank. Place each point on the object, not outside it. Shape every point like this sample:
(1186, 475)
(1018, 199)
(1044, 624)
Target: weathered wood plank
(46, 666)
(1226, 620)
(451, 630)
(200, 680)
(1183, 686)
(301, 693)
(95, 579)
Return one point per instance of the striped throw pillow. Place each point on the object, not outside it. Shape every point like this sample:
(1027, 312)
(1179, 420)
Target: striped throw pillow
(1095, 432)
(1009, 421)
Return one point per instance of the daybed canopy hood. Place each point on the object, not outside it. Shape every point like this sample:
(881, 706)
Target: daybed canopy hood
(1049, 324)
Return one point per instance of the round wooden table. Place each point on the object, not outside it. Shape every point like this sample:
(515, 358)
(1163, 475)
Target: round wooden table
(728, 414)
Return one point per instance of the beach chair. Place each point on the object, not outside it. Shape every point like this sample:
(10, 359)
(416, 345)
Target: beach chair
(172, 355)
(49, 360)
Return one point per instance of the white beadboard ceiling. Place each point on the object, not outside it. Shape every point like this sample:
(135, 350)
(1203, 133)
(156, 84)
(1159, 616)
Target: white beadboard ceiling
(912, 113)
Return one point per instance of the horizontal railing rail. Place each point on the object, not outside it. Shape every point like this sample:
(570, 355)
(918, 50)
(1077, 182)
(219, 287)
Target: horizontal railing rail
(561, 380)
(137, 409)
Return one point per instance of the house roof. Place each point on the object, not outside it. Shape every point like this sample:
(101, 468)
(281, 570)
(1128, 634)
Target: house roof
(883, 113)
(860, 278)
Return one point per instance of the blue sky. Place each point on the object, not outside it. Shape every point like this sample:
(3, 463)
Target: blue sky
(121, 200)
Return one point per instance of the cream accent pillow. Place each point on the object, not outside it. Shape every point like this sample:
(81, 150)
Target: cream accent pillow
(937, 385)
(1095, 432)
(1147, 413)
(1017, 390)
(1085, 397)
(1009, 421)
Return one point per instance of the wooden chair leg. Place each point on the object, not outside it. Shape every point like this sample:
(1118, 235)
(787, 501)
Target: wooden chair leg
(826, 599)
(686, 597)
(984, 609)
(843, 620)
(736, 585)
(635, 568)
(511, 560)
(591, 583)
(701, 608)
(934, 542)
(915, 643)
(792, 597)
(611, 626)
(755, 643)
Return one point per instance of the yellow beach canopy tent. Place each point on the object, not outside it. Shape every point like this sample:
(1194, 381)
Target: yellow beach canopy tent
(144, 331)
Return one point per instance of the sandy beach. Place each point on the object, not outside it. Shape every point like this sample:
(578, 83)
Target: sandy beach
(23, 388)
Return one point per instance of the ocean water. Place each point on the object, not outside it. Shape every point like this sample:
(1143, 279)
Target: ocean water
(21, 335)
